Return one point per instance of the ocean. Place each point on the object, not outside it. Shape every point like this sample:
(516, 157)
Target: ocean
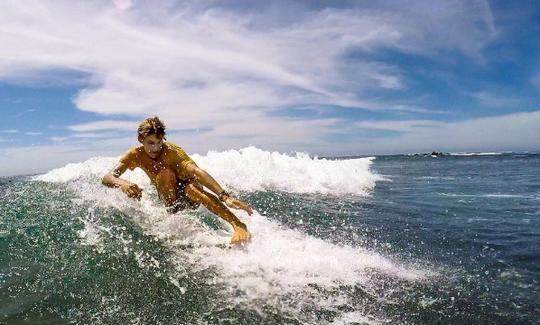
(366, 240)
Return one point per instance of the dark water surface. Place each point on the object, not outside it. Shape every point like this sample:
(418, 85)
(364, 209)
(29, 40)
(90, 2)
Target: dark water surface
(472, 223)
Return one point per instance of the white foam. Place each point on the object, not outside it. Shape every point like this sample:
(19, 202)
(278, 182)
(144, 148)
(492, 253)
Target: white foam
(91, 233)
(476, 153)
(492, 195)
(252, 169)
(279, 262)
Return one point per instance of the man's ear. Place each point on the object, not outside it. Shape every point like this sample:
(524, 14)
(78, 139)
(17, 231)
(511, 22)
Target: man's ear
(140, 138)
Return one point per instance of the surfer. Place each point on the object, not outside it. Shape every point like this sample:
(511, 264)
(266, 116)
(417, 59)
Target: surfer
(178, 180)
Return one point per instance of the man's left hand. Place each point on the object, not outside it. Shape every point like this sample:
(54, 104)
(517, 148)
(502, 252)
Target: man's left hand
(241, 235)
(237, 204)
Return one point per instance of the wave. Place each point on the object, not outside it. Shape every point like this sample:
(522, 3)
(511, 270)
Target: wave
(280, 263)
(493, 195)
(252, 169)
(476, 153)
(278, 266)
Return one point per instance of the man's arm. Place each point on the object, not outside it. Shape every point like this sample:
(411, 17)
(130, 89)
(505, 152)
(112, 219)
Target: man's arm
(202, 177)
(112, 179)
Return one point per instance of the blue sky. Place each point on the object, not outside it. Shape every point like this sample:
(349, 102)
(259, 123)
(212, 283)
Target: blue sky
(327, 78)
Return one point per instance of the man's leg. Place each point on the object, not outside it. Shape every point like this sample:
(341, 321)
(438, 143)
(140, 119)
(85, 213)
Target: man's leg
(212, 203)
(167, 187)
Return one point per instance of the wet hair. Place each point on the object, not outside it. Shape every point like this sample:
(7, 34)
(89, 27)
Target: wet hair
(149, 126)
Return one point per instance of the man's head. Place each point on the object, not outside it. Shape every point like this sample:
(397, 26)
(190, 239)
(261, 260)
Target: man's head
(151, 133)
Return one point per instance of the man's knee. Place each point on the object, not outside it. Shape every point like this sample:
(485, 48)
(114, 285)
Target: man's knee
(167, 186)
(194, 189)
(194, 193)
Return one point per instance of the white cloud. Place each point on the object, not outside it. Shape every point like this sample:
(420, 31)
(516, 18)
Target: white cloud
(204, 65)
(122, 4)
(510, 132)
(488, 99)
(399, 126)
(105, 125)
(17, 161)
(9, 131)
(31, 133)
(228, 70)
(517, 131)
(535, 81)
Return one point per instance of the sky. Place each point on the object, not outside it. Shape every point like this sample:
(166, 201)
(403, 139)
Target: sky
(329, 78)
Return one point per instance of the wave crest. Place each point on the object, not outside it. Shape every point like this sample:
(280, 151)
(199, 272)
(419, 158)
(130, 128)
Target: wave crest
(252, 169)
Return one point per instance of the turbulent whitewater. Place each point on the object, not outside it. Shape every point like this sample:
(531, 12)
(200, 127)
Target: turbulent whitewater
(326, 248)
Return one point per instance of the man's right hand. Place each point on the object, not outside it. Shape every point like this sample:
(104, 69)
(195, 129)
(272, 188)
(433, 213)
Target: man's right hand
(237, 204)
(132, 190)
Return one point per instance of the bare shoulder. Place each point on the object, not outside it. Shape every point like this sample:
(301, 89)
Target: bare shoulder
(172, 146)
(175, 150)
(131, 156)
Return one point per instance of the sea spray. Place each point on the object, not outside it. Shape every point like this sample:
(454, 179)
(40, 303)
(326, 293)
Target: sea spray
(74, 251)
(279, 264)
(252, 169)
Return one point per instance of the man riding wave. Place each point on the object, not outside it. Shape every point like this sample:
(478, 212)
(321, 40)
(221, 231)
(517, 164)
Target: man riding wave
(177, 178)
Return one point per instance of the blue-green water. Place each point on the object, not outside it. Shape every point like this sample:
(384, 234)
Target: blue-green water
(440, 240)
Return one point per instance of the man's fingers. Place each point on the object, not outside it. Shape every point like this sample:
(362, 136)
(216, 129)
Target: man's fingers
(134, 194)
(237, 204)
(240, 237)
(246, 208)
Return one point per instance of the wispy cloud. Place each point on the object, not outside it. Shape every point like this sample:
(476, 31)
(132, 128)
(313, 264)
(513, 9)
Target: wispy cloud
(47, 156)
(105, 125)
(496, 100)
(226, 72)
(399, 126)
(31, 133)
(516, 131)
(122, 4)
(536, 80)
(201, 65)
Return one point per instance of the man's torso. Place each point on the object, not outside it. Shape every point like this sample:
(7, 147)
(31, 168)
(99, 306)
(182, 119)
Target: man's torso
(172, 157)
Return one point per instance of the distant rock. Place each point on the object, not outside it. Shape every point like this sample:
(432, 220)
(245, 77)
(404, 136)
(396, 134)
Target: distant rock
(439, 154)
(433, 154)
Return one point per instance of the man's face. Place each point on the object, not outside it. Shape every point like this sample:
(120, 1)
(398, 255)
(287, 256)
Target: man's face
(152, 145)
